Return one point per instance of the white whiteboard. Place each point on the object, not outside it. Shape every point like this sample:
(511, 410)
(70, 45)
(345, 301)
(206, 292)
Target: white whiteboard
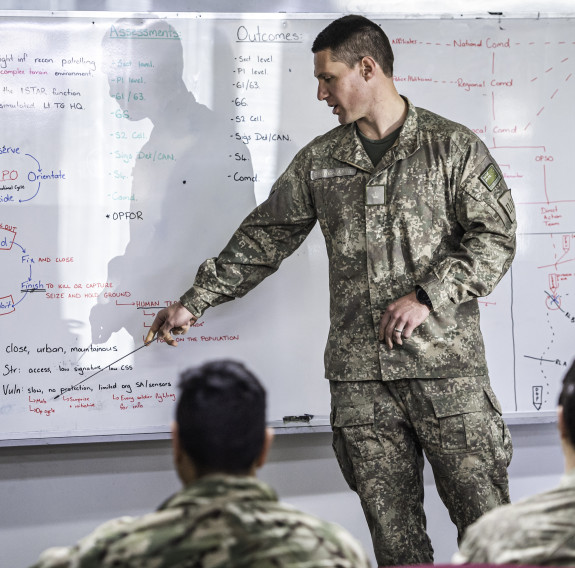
(116, 185)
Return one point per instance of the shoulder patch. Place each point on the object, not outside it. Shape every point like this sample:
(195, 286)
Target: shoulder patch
(490, 177)
(332, 172)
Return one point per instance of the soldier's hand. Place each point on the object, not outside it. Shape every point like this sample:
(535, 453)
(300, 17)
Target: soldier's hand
(174, 319)
(400, 319)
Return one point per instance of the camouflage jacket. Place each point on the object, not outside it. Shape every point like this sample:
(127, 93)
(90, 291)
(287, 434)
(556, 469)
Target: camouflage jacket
(435, 212)
(217, 522)
(539, 530)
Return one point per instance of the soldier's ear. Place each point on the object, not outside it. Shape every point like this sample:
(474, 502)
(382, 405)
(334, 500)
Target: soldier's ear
(367, 67)
(268, 439)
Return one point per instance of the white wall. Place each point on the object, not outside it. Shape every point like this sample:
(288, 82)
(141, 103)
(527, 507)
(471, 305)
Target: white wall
(53, 495)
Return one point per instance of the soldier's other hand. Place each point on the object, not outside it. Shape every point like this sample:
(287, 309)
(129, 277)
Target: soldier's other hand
(400, 319)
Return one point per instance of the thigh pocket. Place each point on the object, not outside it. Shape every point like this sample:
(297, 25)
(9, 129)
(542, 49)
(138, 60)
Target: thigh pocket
(460, 424)
(354, 439)
(356, 425)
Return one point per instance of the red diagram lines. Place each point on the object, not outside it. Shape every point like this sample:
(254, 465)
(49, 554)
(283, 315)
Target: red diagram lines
(564, 79)
(560, 257)
(543, 89)
(560, 68)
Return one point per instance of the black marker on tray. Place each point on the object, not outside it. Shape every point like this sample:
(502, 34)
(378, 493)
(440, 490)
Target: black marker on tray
(302, 418)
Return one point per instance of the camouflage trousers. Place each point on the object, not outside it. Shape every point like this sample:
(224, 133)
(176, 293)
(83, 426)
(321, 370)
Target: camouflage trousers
(381, 430)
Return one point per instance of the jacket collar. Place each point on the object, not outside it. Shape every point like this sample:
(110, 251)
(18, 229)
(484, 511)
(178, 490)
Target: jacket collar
(218, 488)
(568, 479)
(351, 150)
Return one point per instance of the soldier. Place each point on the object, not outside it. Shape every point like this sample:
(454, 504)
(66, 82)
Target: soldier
(539, 530)
(223, 517)
(418, 223)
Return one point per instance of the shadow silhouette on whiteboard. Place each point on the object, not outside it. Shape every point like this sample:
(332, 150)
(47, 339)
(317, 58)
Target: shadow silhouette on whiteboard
(183, 202)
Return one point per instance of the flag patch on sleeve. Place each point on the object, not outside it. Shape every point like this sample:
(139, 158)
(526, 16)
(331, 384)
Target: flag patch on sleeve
(490, 177)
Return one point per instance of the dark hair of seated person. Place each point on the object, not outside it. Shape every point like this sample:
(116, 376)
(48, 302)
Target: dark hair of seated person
(221, 417)
(567, 401)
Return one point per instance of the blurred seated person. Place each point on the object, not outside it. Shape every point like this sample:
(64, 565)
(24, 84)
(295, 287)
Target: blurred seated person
(538, 530)
(223, 517)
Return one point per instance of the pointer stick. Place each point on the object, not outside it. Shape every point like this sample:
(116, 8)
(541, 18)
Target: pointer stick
(104, 368)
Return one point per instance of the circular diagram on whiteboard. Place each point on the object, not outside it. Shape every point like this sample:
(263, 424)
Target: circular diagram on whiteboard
(16, 271)
(21, 176)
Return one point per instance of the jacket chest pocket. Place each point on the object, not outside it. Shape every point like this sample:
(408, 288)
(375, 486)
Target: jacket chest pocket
(375, 194)
(339, 200)
(377, 189)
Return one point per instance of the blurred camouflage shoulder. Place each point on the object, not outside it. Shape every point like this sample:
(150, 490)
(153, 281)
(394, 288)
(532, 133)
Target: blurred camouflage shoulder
(217, 522)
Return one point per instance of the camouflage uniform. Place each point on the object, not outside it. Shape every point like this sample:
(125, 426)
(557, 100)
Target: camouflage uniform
(436, 213)
(381, 429)
(217, 522)
(539, 530)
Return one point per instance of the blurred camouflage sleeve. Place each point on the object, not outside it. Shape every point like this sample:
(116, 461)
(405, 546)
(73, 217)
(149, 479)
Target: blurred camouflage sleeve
(297, 541)
(497, 538)
(88, 552)
(486, 213)
(469, 552)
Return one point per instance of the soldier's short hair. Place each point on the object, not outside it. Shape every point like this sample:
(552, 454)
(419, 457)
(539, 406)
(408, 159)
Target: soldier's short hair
(221, 417)
(567, 401)
(350, 38)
